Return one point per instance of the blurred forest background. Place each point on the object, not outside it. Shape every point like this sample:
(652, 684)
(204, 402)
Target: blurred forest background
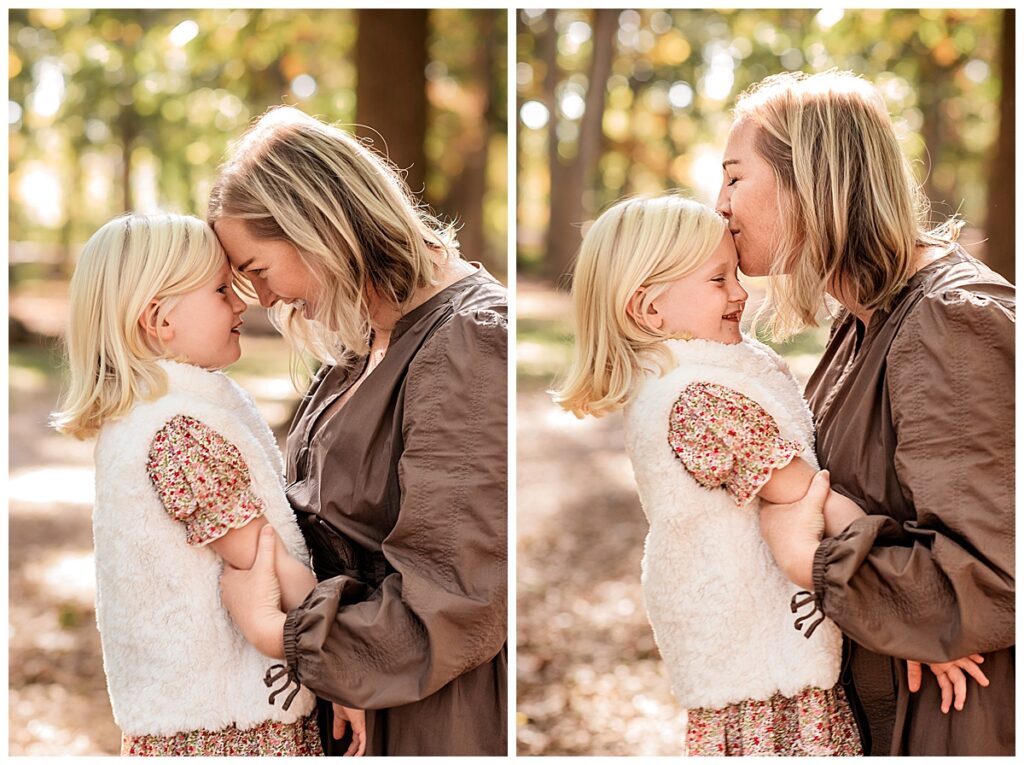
(616, 102)
(114, 110)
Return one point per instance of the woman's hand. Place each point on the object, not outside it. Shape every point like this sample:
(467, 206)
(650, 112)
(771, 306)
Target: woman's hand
(950, 675)
(345, 715)
(253, 598)
(793, 532)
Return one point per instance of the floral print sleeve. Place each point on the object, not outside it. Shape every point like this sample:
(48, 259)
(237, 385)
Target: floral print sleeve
(726, 440)
(201, 479)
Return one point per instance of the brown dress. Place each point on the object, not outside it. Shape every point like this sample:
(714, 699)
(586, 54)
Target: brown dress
(915, 422)
(402, 497)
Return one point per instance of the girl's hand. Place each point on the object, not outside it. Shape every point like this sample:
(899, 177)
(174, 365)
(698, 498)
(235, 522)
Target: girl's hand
(253, 598)
(793, 532)
(345, 715)
(950, 675)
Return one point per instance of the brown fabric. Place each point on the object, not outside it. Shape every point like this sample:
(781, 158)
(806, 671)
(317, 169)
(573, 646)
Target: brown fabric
(402, 498)
(915, 422)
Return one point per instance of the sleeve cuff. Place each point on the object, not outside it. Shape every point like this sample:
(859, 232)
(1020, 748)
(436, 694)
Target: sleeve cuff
(291, 638)
(818, 570)
(749, 478)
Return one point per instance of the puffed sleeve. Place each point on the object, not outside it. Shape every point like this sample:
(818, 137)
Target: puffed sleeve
(940, 586)
(201, 479)
(727, 440)
(442, 611)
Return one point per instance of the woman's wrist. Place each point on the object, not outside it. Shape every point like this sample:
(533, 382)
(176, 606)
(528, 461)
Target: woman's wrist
(271, 639)
(799, 567)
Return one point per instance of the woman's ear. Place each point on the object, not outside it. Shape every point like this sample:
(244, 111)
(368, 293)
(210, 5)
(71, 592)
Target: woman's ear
(148, 321)
(649, 318)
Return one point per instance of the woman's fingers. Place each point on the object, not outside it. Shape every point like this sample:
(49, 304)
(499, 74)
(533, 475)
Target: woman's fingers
(353, 747)
(959, 681)
(970, 666)
(914, 676)
(946, 688)
(340, 721)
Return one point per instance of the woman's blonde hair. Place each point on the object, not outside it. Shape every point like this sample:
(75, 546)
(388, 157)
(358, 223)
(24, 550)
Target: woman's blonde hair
(347, 212)
(852, 214)
(641, 243)
(128, 263)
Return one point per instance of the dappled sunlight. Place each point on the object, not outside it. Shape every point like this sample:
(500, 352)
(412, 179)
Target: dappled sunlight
(72, 574)
(49, 485)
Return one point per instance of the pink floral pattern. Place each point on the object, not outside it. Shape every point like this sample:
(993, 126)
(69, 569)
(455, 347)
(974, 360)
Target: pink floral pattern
(298, 739)
(201, 479)
(812, 723)
(726, 440)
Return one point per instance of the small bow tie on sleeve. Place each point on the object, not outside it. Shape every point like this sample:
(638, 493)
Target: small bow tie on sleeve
(290, 676)
(800, 600)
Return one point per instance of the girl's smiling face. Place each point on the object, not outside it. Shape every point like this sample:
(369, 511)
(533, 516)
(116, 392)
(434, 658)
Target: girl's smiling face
(203, 328)
(706, 304)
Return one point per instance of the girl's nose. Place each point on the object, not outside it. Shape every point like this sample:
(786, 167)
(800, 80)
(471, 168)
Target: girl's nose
(740, 294)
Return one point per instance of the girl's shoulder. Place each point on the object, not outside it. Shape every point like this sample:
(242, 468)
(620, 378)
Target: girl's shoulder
(749, 368)
(742, 363)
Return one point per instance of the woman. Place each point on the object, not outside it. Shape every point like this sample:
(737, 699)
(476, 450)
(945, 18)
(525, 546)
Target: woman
(913, 404)
(396, 459)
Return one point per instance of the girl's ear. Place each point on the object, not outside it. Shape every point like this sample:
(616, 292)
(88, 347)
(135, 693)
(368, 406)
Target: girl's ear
(649, 319)
(148, 321)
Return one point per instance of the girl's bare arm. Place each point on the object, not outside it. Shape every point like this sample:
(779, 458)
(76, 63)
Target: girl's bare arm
(238, 547)
(790, 483)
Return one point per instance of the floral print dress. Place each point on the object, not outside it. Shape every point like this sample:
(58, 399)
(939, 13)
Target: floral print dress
(203, 482)
(727, 441)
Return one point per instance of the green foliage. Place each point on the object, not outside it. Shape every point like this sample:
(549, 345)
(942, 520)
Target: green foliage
(133, 109)
(676, 73)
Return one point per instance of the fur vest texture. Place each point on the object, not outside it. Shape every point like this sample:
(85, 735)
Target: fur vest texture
(718, 603)
(174, 660)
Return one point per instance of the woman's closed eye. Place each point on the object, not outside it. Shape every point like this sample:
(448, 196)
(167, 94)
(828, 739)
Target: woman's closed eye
(257, 272)
(731, 180)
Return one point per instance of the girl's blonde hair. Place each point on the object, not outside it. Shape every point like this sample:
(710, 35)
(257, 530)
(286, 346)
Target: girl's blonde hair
(645, 242)
(852, 214)
(347, 212)
(128, 263)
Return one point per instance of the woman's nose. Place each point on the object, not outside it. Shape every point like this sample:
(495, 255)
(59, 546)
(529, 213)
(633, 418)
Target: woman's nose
(722, 205)
(266, 297)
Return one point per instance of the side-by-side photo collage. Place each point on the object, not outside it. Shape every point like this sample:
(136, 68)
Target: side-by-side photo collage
(511, 382)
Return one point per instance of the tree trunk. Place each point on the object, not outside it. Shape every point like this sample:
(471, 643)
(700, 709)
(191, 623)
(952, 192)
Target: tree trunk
(1000, 226)
(465, 197)
(567, 209)
(391, 97)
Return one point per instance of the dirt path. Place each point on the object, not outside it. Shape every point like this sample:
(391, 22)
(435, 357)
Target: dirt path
(58, 697)
(590, 680)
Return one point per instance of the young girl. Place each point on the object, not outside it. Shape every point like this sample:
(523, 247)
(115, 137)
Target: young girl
(187, 474)
(714, 423)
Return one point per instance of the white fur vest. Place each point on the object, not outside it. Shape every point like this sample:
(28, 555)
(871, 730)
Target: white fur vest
(174, 660)
(718, 603)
